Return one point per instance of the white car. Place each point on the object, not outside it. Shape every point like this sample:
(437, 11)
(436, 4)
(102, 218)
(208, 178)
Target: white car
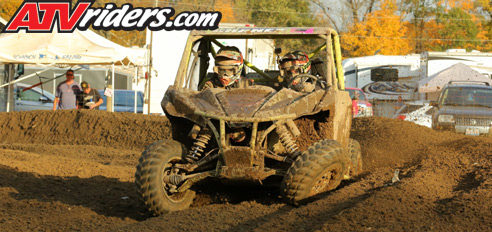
(32, 99)
(418, 112)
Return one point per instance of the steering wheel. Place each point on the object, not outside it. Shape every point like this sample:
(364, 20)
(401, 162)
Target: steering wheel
(303, 83)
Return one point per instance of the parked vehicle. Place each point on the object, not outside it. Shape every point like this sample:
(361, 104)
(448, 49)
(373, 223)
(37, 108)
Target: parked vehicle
(419, 112)
(464, 107)
(124, 101)
(32, 99)
(365, 107)
(388, 77)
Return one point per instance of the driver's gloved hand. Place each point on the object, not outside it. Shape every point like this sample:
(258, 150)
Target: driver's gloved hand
(303, 84)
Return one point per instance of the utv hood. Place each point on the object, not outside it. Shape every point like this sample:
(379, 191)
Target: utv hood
(252, 102)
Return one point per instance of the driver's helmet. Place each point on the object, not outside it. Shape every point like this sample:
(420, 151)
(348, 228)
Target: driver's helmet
(228, 65)
(293, 64)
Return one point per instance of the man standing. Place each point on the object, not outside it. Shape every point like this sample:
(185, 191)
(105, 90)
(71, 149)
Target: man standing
(66, 92)
(399, 104)
(89, 98)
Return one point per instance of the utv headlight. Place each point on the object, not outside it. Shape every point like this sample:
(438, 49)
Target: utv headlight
(445, 118)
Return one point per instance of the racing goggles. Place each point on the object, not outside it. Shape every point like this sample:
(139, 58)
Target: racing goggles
(287, 69)
(227, 70)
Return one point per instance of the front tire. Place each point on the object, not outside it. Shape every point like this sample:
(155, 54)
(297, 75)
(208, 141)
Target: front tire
(318, 169)
(157, 161)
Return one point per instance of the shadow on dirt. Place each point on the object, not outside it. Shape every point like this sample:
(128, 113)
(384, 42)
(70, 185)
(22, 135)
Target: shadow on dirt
(310, 220)
(212, 191)
(469, 182)
(105, 196)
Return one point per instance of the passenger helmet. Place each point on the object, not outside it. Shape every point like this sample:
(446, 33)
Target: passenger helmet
(293, 64)
(228, 65)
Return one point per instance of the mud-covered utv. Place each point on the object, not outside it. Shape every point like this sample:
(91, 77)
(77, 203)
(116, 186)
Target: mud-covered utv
(260, 133)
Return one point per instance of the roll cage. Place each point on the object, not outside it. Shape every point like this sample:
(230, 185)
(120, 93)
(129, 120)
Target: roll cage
(200, 49)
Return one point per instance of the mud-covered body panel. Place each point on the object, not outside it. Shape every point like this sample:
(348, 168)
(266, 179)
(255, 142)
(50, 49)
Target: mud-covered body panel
(259, 103)
(252, 102)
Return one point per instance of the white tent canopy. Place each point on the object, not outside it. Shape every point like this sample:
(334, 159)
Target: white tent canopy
(457, 72)
(79, 47)
(3, 22)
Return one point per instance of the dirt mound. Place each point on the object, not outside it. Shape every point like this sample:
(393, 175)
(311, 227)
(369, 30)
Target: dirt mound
(444, 180)
(88, 127)
(445, 185)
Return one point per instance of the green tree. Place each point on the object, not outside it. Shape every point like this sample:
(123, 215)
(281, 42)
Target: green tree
(419, 14)
(458, 29)
(280, 13)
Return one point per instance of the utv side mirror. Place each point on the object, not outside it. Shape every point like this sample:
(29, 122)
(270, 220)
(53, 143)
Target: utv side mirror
(277, 52)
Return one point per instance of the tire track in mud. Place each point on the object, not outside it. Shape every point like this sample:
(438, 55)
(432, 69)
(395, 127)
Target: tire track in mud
(445, 180)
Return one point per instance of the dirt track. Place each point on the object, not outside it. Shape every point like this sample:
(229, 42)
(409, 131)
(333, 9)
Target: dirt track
(73, 170)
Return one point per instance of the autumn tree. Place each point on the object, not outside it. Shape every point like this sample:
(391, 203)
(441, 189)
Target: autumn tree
(458, 30)
(460, 24)
(280, 13)
(227, 9)
(344, 14)
(382, 31)
(8, 8)
(421, 25)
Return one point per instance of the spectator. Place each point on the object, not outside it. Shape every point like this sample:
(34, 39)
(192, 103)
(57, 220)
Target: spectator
(89, 98)
(399, 104)
(66, 92)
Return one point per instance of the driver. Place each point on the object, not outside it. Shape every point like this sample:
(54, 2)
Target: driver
(295, 69)
(228, 69)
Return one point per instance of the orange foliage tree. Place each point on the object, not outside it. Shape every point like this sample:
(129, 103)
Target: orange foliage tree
(382, 31)
(441, 24)
(461, 25)
(8, 8)
(226, 7)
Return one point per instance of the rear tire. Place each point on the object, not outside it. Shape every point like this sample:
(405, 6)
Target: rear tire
(318, 169)
(355, 154)
(157, 161)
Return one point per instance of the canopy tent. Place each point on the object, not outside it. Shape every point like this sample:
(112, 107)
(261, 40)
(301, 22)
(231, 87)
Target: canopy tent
(457, 72)
(3, 22)
(79, 47)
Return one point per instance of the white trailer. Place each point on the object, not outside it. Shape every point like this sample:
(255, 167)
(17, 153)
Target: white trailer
(383, 77)
(387, 77)
(168, 47)
(434, 62)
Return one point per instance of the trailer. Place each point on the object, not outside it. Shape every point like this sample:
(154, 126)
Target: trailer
(434, 62)
(383, 77)
(387, 77)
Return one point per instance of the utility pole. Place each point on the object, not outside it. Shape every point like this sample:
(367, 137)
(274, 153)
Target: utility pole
(149, 69)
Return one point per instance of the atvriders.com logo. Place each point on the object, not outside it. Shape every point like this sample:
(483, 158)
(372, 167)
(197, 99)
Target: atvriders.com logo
(40, 16)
